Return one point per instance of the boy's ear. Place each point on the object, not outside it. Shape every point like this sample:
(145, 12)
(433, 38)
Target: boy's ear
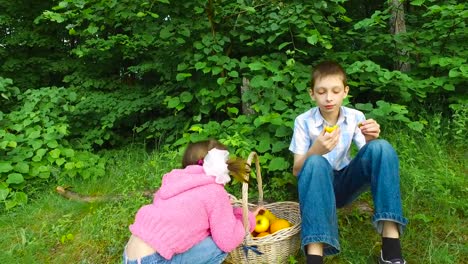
(346, 90)
(311, 93)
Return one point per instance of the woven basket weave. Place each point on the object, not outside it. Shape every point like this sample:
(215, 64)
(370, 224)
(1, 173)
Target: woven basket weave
(274, 248)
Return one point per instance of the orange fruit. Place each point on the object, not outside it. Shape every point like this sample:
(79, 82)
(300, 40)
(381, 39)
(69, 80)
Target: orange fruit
(279, 224)
(262, 234)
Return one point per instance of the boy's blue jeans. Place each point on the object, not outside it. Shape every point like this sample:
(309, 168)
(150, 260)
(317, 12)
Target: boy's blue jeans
(322, 190)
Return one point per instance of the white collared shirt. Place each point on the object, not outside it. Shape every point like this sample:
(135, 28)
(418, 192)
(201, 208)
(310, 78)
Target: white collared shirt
(309, 125)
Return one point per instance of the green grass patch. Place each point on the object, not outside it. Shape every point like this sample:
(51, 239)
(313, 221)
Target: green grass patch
(52, 229)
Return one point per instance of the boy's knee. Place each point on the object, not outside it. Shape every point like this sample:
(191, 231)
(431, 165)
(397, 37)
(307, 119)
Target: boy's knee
(315, 167)
(380, 145)
(315, 161)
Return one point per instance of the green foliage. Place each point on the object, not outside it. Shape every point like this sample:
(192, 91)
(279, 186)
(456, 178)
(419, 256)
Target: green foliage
(7, 93)
(33, 144)
(169, 72)
(458, 124)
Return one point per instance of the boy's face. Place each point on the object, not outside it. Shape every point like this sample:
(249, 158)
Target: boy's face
(329, 92)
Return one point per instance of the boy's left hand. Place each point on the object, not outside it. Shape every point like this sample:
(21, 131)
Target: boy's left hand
(370, 129)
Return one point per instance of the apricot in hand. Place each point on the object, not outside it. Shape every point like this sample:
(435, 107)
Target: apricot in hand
(330, 129)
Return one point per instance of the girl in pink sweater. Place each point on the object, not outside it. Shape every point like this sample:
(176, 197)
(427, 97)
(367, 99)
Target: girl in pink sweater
(191, 219)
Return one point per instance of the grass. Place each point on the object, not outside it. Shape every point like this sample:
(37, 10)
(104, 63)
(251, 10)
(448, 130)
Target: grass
(52, 229)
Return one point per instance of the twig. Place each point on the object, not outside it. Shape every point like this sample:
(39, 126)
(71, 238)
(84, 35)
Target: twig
(91, 199)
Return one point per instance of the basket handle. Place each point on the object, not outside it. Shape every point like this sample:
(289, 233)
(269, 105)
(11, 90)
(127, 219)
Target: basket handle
(245, 190)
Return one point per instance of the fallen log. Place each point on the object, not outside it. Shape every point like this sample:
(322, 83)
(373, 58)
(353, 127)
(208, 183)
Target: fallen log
(71, 195)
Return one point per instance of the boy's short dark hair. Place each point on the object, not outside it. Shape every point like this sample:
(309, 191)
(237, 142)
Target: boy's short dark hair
(327, 68)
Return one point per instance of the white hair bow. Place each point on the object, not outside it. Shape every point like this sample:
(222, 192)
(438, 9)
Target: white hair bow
(215, 165)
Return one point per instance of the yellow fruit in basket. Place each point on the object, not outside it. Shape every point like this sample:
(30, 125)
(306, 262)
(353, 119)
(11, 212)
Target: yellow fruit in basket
(262, 234)
(279, 224)
(261, 223)
(268, 215)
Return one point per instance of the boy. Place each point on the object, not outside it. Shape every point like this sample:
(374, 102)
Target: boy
(328, 178)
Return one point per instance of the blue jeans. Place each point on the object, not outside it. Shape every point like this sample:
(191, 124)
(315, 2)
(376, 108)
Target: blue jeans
(205, 252)
(322, 190)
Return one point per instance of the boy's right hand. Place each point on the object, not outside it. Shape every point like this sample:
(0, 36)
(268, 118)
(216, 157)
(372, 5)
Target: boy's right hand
(326, 142)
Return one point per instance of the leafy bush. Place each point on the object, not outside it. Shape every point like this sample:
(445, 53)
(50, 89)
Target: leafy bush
(34, 147)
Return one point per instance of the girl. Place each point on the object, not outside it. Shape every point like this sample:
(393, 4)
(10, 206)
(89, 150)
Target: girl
(191, 219)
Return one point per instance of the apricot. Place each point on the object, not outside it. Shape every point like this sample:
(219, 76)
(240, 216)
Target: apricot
(330, 129)
(279, 224)
(261, 223)
(268, 215)
(262, 234)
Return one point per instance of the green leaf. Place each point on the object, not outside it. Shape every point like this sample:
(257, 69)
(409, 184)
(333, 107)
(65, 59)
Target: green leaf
(255, 66)
(216, 70)
(221, 81)
(279, 146)
(55, 153)
(449, 87)
(20, 198)
(233, 74)
(417, 2)
(68, 152)
(22, 167)
(5, 167)
(283, 131)
(92, 29)
(417, 126)
(4, 191)
(200, 65)
(182, 76)
(165, 33)
(173, 102)
(278, 163)
(264, 145)
(10, 204)
(186, 97)
(198, 10)
(454, 73)
(15, 178)
(69, 165)
(284, 44)
(60, 161)
(52, 143)
(12, 144)
(233, 110)
(62, 129)
(34, 134)
(249, 9)
(312, 39)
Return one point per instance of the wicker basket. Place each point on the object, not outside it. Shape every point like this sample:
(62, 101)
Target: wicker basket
(274, 248)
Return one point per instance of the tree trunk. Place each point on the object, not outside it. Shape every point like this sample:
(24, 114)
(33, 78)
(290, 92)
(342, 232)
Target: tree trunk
(246, 107)
(397, 26)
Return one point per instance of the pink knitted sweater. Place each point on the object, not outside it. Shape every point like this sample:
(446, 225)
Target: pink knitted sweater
(187, 208)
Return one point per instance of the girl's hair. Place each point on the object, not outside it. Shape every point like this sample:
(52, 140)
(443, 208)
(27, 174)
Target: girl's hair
(327, 68)
(196, 152)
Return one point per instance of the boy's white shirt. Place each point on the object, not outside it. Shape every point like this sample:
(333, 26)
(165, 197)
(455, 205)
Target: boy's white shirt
(309, 125)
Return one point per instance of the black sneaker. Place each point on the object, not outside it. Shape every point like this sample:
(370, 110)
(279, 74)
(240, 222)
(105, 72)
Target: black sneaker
(393, 261)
